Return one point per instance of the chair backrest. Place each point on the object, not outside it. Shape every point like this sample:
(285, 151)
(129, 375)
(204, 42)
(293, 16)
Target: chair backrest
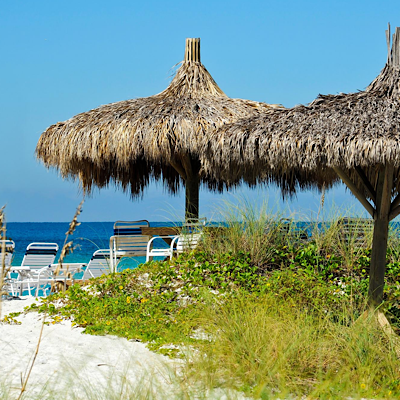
(356, 230)
(128, 240)
(287, 227)
(187, 242)
(98, 265)
(192, 230)
(193, 226)
(9, 251)
(134, 245)
(122, 228)
(39, 255)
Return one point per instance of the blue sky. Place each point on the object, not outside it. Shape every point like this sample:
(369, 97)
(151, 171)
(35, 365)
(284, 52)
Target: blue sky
(63, 58)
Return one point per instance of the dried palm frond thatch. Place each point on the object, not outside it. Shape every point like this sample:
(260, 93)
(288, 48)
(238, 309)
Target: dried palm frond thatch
(356, 135)
(159, 137)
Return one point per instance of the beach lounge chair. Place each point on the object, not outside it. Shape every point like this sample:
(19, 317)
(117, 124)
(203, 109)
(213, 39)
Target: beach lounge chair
(356, 231)
(36, 267)
(192, 231)
(128, 241)
(288, 227)
(99, 264)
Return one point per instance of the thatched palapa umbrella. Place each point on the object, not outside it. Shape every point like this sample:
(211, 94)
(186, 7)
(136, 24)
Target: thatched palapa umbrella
(159, 137)
(357, 135)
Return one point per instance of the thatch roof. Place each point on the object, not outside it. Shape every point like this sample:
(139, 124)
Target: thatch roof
(355, 132)
(133, 141)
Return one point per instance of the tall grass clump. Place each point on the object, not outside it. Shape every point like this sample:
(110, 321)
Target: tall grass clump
(271, 347)
(247, 229)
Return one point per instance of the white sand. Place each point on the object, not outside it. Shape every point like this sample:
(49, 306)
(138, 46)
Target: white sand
(73, 364)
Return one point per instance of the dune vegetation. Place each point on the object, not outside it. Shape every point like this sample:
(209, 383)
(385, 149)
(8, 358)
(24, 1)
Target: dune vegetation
(257, 308)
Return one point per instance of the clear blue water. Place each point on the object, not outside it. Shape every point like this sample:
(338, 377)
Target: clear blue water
(87, 238)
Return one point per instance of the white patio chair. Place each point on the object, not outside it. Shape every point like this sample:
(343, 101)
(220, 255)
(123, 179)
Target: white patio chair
(192, 231)
(99, 264)
(60, 277)
(36, 267)
(128, 241)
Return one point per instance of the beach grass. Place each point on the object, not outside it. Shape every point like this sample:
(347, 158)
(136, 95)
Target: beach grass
(274, 349)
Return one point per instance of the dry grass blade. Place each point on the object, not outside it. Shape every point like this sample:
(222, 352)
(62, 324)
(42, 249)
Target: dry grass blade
(25, 379)
(68, 246)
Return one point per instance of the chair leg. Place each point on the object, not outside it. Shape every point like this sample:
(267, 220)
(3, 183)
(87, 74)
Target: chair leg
(11, 285)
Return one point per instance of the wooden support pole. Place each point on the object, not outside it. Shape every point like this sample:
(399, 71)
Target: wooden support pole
(192, 198)
(178, 167)
(395, 208)
(395, 202)
(394, 213)
(380, 238)
(350, 184)
(192, 168)
(367, 184)
(189, 170)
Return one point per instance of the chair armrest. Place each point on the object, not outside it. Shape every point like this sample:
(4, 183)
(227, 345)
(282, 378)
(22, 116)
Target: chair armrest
(174, 242)
(38, 272)
(70, 267)
(151, 241)
(158, 237)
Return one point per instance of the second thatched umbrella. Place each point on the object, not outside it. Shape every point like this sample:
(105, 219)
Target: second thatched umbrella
(357, 135)
(159, 137)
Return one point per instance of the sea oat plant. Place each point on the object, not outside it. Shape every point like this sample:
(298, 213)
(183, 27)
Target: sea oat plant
(68, 247)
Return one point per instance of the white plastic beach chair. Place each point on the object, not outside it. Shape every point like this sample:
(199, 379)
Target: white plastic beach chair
(99, 264)
(192, 231)
(36, 267)
(128, 241)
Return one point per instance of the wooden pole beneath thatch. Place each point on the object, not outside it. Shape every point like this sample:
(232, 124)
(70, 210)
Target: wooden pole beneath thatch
(192, 198)
(380, 238)
(382, 213)
(192, 166)
(383, 210)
